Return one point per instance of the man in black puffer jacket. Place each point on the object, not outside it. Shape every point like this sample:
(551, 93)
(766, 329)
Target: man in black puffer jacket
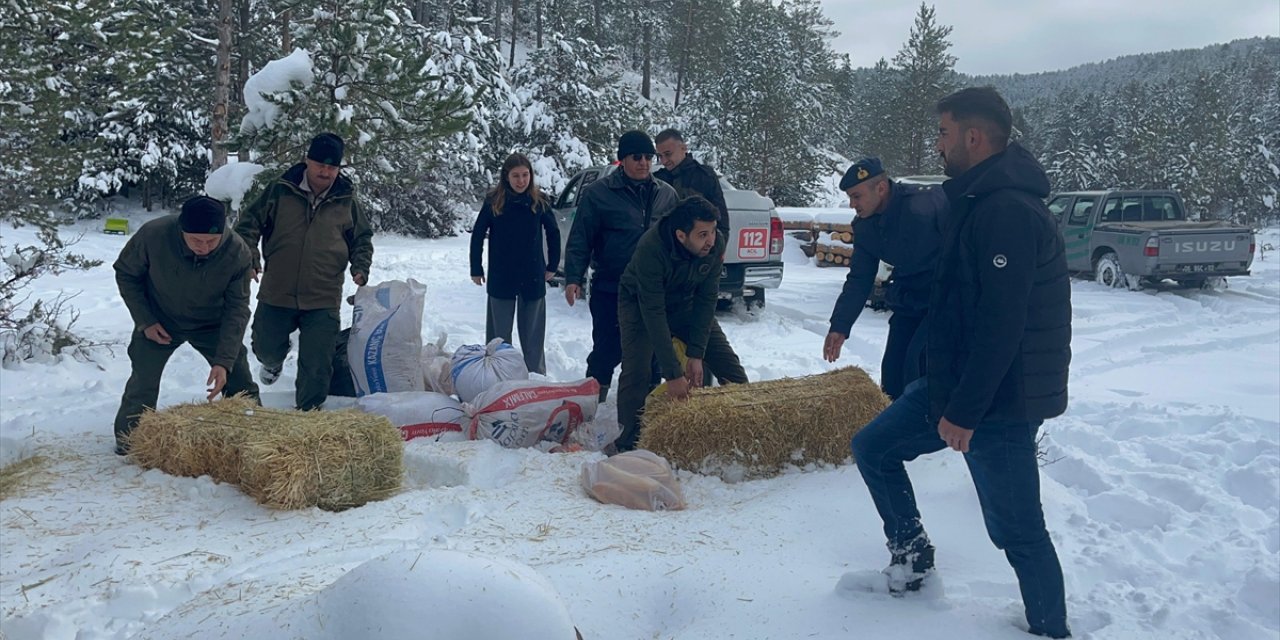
(999, 349)
(613, 212)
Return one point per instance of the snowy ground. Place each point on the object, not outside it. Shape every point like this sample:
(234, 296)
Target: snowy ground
(1163, 497)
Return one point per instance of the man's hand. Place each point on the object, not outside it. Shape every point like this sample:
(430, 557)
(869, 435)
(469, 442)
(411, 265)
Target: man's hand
(217, 380)
(256, 273)
(479, 280)
(955, 436)
(831, 346)
(693, 372)
(157, 334)
(572, 292)
(548, 275)
(678, 388)
(359, 278)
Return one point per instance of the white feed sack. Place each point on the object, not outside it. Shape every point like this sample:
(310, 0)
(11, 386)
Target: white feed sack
(418, 414)
(524, 413)
(385, 349)
(476, 368)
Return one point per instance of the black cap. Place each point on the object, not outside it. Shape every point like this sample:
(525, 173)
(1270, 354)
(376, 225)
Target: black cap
(861, 171)
(635, 142)
(326, 148)
(203, 214)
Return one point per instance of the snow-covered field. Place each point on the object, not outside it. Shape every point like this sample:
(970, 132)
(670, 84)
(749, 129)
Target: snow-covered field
(1163, 496)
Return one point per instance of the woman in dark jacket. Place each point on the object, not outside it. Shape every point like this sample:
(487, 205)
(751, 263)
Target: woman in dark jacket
(518, 220)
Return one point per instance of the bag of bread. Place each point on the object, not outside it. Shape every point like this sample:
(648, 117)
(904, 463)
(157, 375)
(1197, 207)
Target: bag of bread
(636, 480)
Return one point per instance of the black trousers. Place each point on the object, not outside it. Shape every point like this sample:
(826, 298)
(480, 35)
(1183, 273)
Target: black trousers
(148, 359)
(903, 361)
(317, 334)
(606, 338)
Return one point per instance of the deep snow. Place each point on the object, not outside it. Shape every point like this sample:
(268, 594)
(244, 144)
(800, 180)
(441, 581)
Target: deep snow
(1163, 495)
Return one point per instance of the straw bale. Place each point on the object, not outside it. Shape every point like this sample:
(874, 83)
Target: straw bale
(196, 439)
(749, 431)
(334, 460)
(284, 459)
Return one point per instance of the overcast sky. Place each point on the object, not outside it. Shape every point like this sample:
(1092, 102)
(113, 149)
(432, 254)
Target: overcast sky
(1026, 36)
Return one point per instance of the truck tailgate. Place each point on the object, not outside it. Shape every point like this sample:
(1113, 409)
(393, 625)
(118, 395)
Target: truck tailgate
(1205, 247)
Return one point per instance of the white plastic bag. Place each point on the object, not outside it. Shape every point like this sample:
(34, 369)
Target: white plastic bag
(436, 369)
(475, 368)
(385, 348)
(637, 479)
(521, 413)
(418, 414)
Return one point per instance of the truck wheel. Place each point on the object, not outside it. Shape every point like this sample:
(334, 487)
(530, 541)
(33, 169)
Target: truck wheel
(1108, 273)
(757, 301)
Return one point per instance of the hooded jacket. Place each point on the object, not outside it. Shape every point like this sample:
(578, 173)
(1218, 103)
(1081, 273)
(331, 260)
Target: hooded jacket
(162, 280)
(1000, 313)
(675, 293)
(907, 235)
(613, 213)
(517, 264)
(306, 248)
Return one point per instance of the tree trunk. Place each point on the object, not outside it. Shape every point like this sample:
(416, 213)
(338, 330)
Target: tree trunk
(538, 25)
(648, 59)
(222, 86)
(595, 21)
(515, 24)
(242, 76)
(286, 38)
(684, 55)
(497, 22)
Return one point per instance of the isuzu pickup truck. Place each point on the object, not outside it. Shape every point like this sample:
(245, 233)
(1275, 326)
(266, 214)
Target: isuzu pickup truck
(1131, 238)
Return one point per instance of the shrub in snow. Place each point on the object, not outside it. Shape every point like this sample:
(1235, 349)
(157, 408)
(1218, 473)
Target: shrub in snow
(440, 593)
(38, 330)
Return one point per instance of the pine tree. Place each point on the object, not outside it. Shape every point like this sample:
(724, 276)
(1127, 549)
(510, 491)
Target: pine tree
(398, 94)
(926, 77)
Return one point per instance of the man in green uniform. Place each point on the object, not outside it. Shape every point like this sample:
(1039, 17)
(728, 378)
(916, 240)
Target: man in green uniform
(311, 226)
(184, 278)
(669, 289)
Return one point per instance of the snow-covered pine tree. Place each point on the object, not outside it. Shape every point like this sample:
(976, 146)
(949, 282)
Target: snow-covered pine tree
(396, 92)
(567, 108)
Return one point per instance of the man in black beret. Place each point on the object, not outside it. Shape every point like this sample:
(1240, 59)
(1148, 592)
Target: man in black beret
(184, 278)
(901, 225)
(613, 212)
(311, 227)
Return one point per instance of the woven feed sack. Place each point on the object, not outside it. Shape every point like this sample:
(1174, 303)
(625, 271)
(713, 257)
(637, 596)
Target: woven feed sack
(384, 351)
(749, 431)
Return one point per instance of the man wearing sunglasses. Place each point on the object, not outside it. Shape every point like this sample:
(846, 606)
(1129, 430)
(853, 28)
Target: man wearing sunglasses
(613, 212)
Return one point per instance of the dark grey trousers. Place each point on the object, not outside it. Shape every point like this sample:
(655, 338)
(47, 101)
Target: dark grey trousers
(148, 359)
(530, 321)
(317, 334)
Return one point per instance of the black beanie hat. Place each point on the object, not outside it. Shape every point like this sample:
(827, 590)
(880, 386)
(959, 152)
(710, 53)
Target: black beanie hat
(203, 214)
(326, 148)
(634, 142)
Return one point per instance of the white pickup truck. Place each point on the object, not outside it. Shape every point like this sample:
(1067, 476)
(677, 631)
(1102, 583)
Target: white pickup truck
(753, 255)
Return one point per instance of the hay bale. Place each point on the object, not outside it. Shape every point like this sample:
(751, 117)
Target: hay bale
(749, 431)
(334, 460)
(285, 459)
(196, 439)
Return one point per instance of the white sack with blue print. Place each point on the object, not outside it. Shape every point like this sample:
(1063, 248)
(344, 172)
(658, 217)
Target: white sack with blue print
(477, 367)
(385, 349)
